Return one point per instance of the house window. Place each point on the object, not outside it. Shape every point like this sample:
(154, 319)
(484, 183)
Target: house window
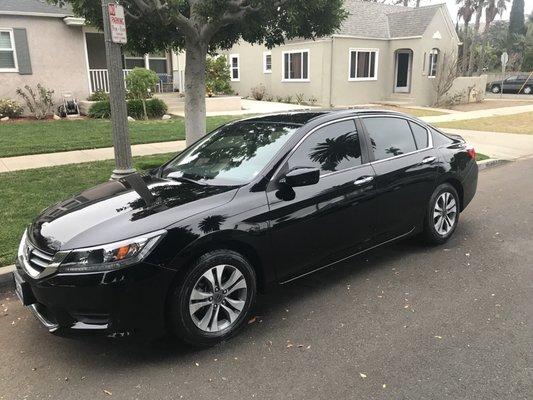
(235, 67)
(157, 62)
(433, 62)
(8, 59)
(296, 65)
(267, 62)
(363, 64)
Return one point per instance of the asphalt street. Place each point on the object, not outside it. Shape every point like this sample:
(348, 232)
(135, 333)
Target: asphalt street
(403, 322)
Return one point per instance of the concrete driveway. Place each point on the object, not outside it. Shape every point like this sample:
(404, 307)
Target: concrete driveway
(404, 322)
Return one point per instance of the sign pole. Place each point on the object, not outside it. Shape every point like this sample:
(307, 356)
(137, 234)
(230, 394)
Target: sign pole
(119, 111)
(504, 59)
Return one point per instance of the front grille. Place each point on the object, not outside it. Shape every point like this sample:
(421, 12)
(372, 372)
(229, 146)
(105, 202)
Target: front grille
(38, 259)
(36, 262)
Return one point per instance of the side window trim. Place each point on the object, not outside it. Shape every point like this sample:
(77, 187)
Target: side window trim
(408, 119)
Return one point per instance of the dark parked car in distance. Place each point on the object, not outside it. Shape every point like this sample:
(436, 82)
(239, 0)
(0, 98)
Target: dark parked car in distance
(258, 202)
(522, 84)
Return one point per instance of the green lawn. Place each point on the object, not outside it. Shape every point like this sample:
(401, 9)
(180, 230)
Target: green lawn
(481, 157)
(24, 194)
(35, 137)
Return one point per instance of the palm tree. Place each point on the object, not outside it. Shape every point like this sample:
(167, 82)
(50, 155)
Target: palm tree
(494, 7)
(478, 7)
(466, 10)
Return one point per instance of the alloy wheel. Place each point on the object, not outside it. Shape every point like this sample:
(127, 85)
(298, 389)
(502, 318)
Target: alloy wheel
(218, 298)
(528, 90)
(444, 213)
(495, 89)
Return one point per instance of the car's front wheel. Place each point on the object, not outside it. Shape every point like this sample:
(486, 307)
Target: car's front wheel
(495, 89)
(214, 298)
(442, 215)
(528, 90)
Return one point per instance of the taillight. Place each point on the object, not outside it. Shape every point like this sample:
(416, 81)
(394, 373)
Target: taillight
(471, 152)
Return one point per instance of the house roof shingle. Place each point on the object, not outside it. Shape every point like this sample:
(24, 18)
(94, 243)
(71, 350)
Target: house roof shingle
(25, 7)
(383, 21)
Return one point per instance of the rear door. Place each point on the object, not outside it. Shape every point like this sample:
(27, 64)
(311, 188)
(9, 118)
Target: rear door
(406, 167)
(315, 225)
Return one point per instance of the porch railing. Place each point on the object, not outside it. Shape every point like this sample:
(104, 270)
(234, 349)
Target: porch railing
(99, 79)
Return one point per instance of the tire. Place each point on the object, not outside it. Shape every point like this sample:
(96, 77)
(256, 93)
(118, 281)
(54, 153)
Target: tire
(527, 90)
(495, 89)
(195, 301)
(434, 233)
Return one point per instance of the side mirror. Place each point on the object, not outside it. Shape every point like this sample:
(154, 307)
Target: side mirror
(303, 176)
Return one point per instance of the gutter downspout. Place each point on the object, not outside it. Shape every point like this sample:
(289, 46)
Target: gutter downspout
(331, 72)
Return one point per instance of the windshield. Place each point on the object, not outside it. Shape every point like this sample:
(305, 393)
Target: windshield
(232, 155)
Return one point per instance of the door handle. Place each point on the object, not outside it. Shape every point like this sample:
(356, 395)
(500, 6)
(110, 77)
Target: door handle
(364, 179)
(428, 160)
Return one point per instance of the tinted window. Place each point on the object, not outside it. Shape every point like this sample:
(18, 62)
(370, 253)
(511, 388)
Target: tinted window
(389, 136)
(421, 135)
(439, 138)
(332, 148)
(233, 154)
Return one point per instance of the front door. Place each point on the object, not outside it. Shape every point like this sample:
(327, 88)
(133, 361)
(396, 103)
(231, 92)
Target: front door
(315, 225)
(403, 72)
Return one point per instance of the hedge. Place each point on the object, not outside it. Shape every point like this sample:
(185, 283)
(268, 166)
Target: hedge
(155, 108)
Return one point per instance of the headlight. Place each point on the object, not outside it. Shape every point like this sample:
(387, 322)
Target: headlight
(111, 256)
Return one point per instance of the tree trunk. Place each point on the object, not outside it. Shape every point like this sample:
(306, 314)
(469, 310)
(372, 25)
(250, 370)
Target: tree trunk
(466, 48)
(195, 111)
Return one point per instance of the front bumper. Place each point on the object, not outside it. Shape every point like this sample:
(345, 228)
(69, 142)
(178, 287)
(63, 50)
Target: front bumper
(129, 300)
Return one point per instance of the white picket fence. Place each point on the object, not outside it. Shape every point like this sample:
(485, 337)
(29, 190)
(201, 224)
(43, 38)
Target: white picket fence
(99, 79)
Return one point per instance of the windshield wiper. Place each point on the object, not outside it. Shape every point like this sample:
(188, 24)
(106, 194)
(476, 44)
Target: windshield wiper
(184, 179)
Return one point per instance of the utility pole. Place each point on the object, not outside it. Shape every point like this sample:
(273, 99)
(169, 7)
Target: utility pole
(119, 110)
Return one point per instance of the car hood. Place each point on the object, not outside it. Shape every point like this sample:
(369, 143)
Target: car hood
(118, 210)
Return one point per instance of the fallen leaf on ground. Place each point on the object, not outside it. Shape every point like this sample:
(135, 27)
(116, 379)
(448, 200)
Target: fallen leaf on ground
(108, 392)
(252, 320)
(438, 337)
(362, 375)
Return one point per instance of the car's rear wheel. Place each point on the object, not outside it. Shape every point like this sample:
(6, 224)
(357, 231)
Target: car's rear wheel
(214, 298)
(442, 215)
(528, 90)
(495, 89)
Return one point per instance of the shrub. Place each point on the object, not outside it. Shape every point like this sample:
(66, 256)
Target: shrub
(288, 99)
(40, 104)
(155, 108)
(10, 108)
(279, 99)
(312, 100)
(140, 82)
(269, 98)
(217, 76)
(300, 98)
(258, 92)
(100, 109)
(99, 95)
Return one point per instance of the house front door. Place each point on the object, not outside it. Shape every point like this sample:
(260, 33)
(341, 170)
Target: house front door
(402, 81)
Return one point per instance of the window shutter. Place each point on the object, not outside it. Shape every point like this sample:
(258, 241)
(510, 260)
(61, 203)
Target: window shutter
(23, 51)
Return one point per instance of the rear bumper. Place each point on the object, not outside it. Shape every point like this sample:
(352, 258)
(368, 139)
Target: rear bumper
(130, 300)
(470, 184)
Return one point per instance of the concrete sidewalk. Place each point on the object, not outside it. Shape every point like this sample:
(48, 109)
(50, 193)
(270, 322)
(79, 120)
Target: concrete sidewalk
(507, 146)
(493, 112)
(19, 163)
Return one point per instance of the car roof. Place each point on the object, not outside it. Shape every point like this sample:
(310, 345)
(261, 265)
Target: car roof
(305, 116)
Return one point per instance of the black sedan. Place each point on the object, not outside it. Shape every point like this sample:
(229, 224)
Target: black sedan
(262, 201)
(522, 84)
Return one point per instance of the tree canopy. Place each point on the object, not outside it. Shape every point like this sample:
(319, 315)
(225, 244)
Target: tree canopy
(163, 24)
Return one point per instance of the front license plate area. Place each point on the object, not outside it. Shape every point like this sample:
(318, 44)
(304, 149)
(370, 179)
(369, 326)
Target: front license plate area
(23, 290)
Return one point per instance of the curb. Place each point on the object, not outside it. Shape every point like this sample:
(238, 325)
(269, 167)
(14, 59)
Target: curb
(6, 277)
(491, 163)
